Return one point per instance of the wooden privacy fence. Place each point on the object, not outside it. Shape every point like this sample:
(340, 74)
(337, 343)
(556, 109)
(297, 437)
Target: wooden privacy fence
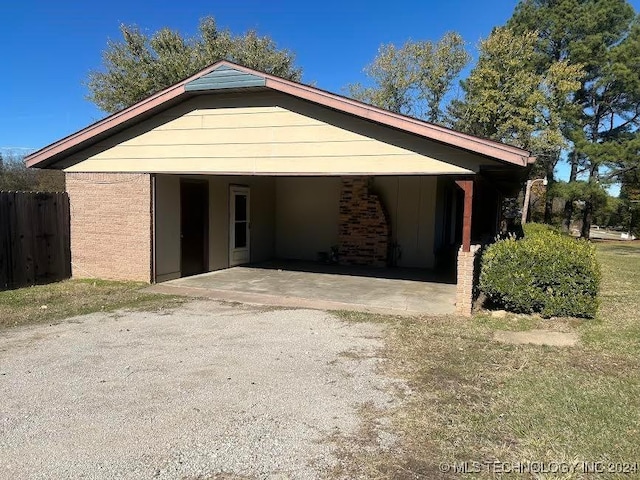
(34, 238)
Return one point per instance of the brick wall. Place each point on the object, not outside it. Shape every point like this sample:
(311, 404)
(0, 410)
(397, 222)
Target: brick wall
(466, 279)
(363, 233)
(110, 225)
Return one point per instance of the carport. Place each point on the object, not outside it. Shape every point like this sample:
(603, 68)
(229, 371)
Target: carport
(233, 167)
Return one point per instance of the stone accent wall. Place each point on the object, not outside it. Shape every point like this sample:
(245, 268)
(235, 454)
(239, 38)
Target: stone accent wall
(110, 225)
(466, 280)
(363, 234)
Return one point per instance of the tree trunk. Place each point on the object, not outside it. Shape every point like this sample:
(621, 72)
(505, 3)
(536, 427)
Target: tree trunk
(587, 214)
(587, 219)
(568, 205)
(568, 215)
(548, 208)
(548, 200)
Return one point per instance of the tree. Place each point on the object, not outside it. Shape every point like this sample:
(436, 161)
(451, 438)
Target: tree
(392, 72)
(415, 78)
(608, 214)
(630, 200)
(15, 176)
(508, 100)
(438, 65)
(630, 189)
(139, 65)
(603, 36)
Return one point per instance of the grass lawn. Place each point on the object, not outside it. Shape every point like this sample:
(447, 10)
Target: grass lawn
(472, 399)
(57, 301)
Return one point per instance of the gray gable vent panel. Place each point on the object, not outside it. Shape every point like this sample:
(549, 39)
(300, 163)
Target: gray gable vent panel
(225, 77)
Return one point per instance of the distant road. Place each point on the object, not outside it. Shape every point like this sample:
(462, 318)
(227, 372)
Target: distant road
(608, 235)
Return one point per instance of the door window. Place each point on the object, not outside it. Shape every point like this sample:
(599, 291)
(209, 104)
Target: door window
(240, 227)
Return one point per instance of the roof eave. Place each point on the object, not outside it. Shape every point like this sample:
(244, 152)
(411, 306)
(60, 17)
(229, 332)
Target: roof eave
(489, 148)
(437, 133)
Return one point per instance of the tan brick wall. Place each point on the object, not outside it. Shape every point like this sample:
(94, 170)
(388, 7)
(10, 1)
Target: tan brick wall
(363, 230)
(465, 284)
(110, 225)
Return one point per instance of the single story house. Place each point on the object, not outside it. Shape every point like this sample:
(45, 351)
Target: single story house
(234, 166)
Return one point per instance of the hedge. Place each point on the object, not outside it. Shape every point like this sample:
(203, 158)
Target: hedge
(545, 272)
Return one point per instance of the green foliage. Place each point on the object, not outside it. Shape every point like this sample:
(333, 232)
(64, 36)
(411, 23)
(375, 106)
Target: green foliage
(630, 189)
(576, 29)
(581, 189)
(394, 77)
(544, 272)
(531, 229)
(609, 213)
(415, 78)
(15, 176)
(508, 100)
(437, 66)
(604, 37)
(629, 208)
(140, 65)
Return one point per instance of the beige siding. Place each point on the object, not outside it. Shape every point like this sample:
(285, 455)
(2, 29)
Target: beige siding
(267, 134)
(167, 227)
(168, 222)
(262, 216)
(410, 204)
(306, 216)
(218, 223)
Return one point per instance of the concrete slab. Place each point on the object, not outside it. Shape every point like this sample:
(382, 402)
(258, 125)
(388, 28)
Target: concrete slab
(403, 292)
(537, 337)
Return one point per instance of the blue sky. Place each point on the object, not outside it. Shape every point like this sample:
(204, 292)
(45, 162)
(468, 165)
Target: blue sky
(47, 48)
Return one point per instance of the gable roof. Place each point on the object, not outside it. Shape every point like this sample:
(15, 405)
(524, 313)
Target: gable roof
(225, 75)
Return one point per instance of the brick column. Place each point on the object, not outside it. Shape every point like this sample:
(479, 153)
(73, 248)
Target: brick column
(363, 232)
(466, 278)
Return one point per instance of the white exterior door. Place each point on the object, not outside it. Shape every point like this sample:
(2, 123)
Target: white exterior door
(239, 225)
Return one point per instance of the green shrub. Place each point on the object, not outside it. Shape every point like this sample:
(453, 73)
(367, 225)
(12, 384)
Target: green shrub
(538, 229)
(544, 272)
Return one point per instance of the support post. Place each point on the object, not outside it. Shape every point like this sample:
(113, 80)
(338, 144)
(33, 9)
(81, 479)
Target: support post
(467, 188)
(466, 255)
(527, 199)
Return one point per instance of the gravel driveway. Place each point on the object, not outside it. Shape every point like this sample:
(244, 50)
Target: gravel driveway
(204, 391)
